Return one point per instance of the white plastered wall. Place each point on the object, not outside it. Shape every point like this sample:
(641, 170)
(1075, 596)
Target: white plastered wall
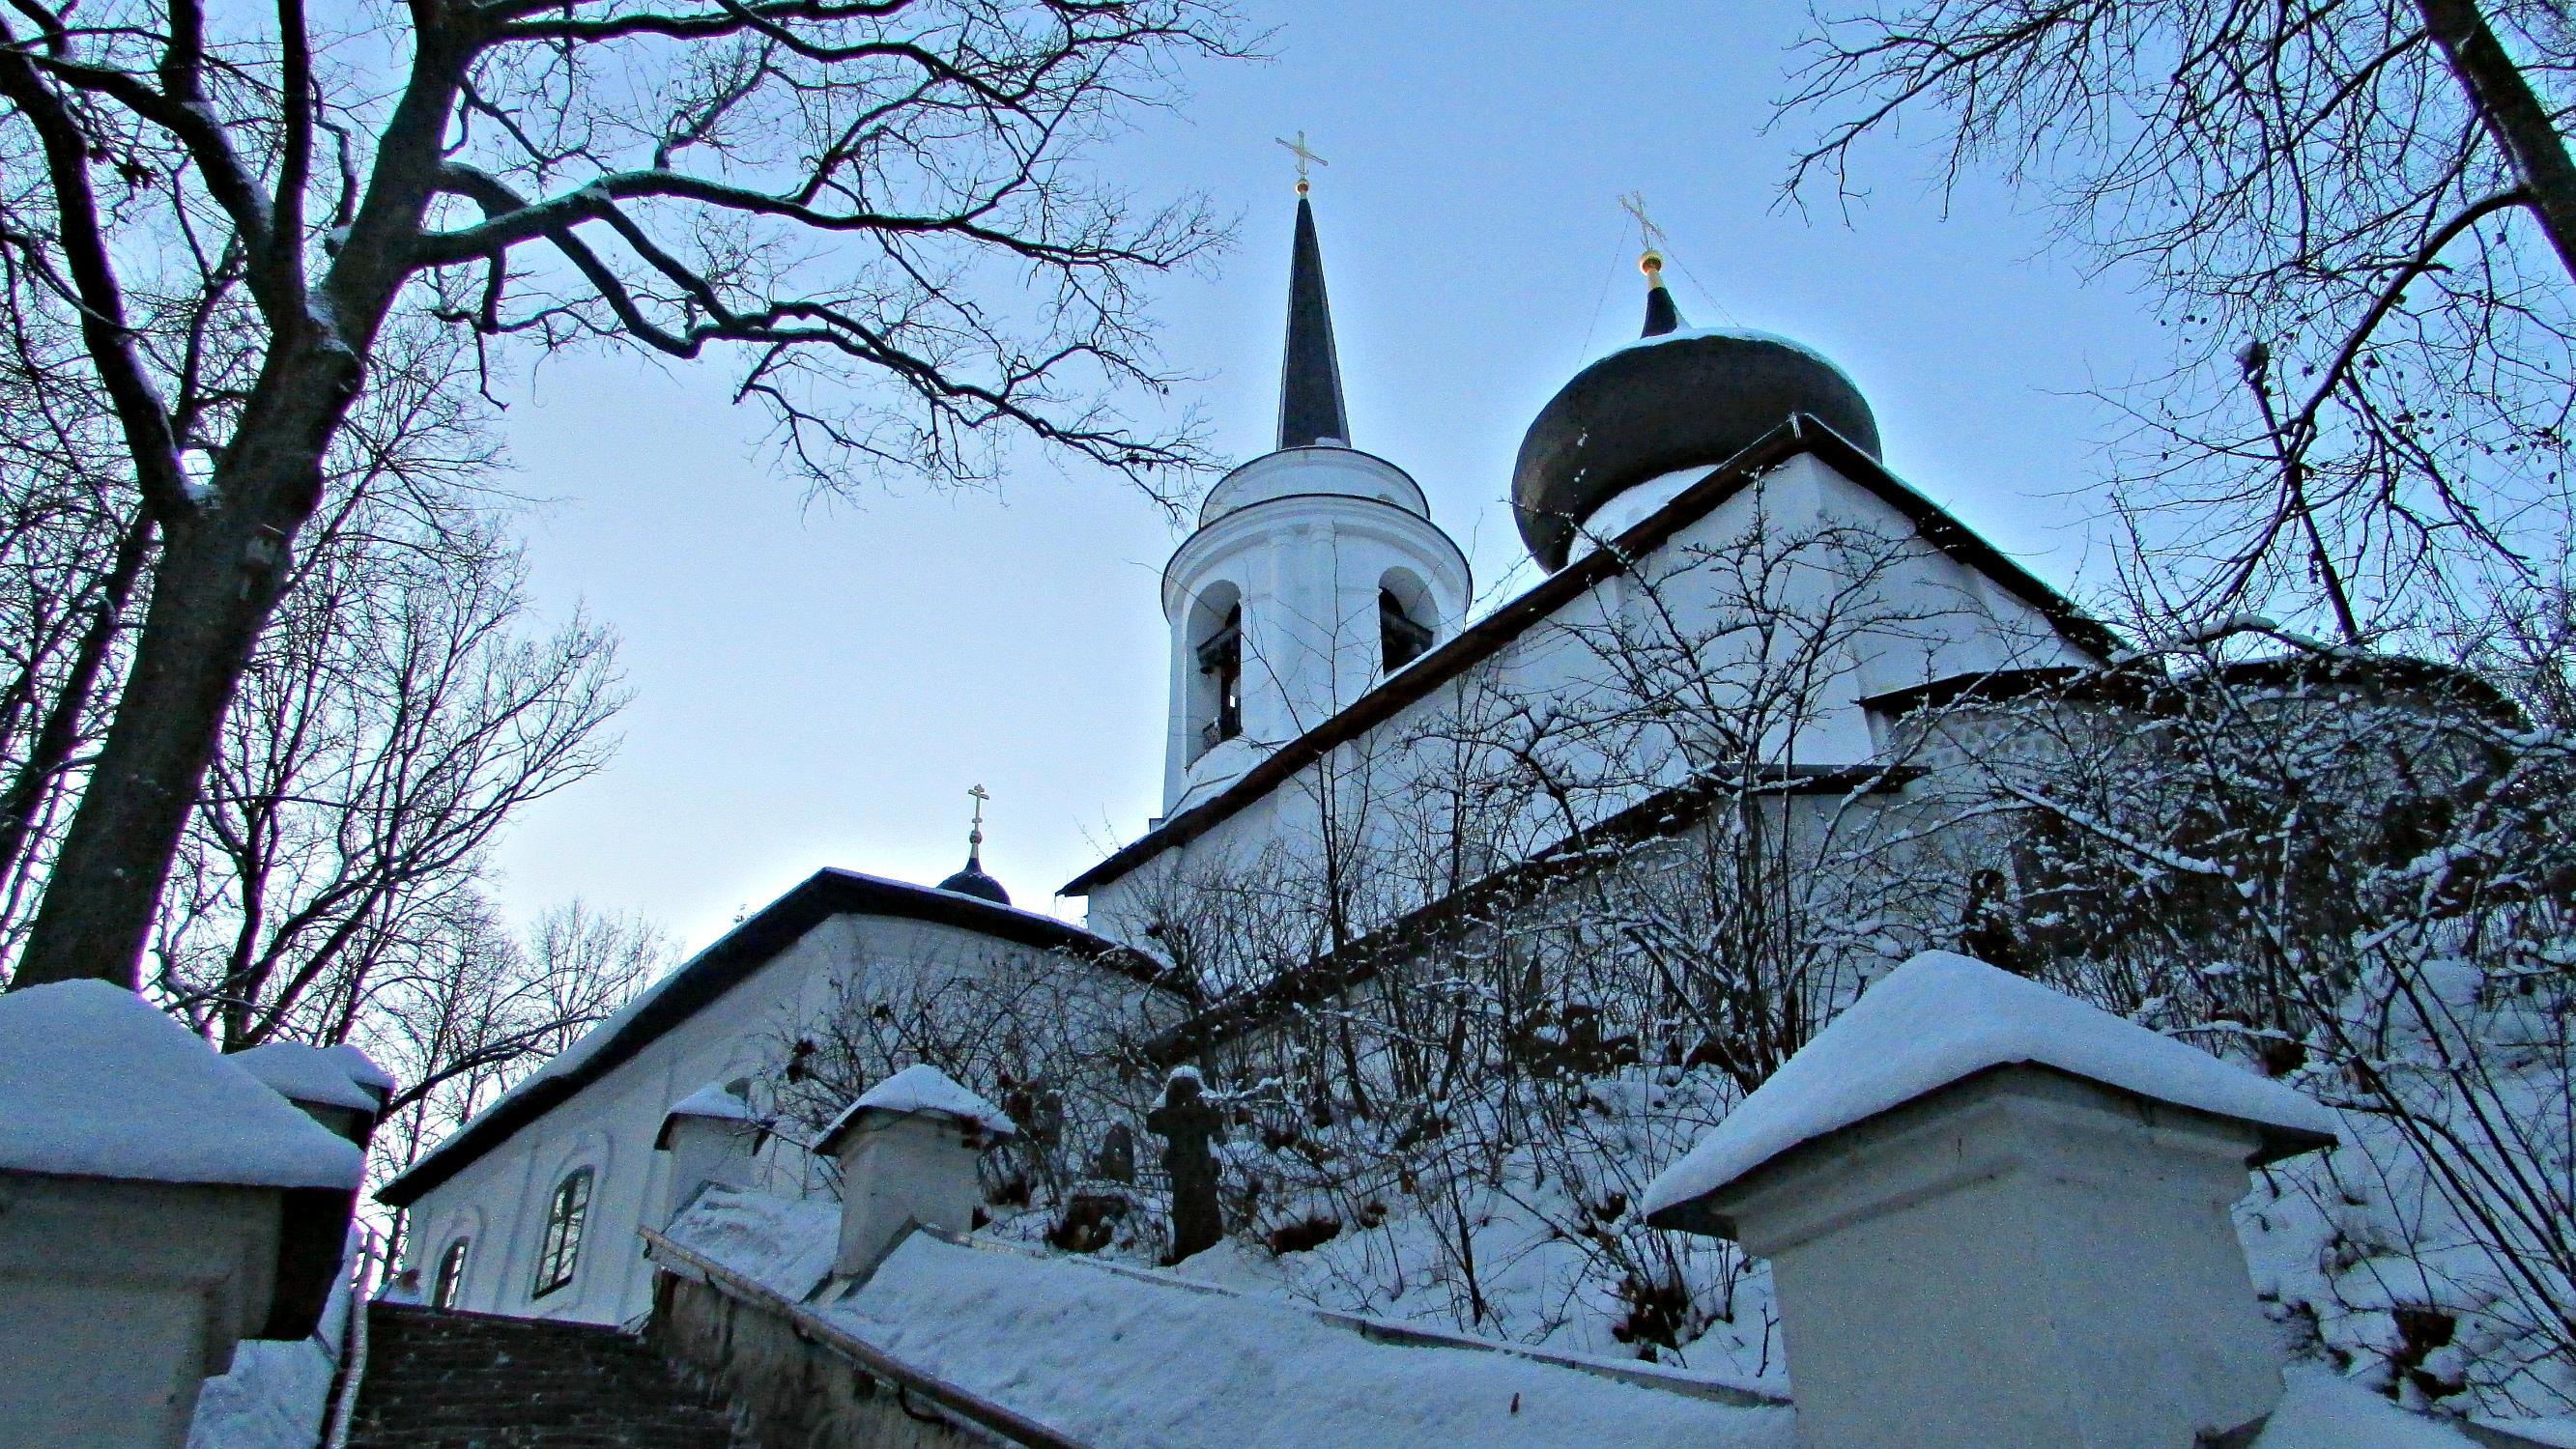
(502, 1197)
(1927, 616)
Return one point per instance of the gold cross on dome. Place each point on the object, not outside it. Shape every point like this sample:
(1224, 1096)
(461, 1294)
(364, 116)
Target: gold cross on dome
(1649, 235)
(980, 797)
(1297, 148)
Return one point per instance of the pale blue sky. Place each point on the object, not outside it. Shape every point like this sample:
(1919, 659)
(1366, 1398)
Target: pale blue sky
(819, 682)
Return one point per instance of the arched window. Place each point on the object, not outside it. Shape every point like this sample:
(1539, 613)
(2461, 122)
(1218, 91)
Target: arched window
(1217, 700)
(1403, 620)
(451, 1274)
(561, 1248)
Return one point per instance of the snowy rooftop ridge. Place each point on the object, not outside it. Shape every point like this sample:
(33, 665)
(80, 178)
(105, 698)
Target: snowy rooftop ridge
(302, 1073)
(1941, 1018)
(920, 1087)
(95, 1082)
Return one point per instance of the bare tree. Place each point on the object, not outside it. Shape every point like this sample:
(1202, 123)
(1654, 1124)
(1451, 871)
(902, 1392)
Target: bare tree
(469, 1015)
(384, 735)
(2361, 216)
(872, 207)
(2346, 868)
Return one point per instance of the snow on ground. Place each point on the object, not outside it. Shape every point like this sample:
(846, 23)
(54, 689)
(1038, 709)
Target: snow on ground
(1118, 1355)
(1942, 1017)
(275, 1397)
(302, 1073)
(1138, 1360)
(278, 1392)
(96, 1082)
(2322, 1411)
(781, 1243)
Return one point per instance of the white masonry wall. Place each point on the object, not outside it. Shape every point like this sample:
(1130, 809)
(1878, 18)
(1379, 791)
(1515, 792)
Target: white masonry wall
(500, 1200)
(1943, 618)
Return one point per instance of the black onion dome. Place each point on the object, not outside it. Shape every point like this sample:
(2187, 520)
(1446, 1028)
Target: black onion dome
(972, 881)
(1681, 400)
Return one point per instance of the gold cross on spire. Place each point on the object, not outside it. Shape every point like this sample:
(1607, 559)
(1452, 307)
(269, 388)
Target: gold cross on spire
(975, 836)
(1298, 149)
(1649, 236)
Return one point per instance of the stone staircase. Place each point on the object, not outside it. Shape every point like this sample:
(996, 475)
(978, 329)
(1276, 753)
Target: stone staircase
(443, 1380)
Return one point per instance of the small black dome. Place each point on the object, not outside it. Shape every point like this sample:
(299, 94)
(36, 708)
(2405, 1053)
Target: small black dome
(973, 882)
(1682, 400)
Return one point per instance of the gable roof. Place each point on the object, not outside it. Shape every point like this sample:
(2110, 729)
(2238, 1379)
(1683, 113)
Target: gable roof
(1479, 641)
(727, 963)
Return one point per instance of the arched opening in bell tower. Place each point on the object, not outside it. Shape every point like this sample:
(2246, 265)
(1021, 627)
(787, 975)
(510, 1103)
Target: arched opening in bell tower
(1215, 712)
(1407, 620)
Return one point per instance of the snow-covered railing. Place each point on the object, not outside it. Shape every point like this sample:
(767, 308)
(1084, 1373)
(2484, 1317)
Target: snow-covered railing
(973, 1411)
(1662, 1379)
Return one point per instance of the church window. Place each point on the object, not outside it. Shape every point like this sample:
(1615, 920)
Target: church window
(1221, 661)
(1401, 638)
(451, 1274)
(561, 1248)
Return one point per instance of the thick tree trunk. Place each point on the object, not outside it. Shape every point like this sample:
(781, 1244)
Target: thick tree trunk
(59, 734)
(220, 575)
(2514, 116)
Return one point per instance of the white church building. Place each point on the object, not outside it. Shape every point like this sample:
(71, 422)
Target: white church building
(1317, 615)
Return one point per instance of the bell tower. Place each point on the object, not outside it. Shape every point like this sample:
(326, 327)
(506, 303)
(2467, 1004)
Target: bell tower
(1316, 570)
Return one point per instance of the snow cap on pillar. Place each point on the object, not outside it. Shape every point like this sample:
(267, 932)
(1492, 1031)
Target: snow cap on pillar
(908, 1149)
(2052, 1159)
(104, 1085)
(724, 1102)
(1940, 1019)
(918, 1090)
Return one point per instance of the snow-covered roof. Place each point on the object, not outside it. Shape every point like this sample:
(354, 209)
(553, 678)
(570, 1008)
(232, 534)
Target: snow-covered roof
(303, 1073)
(920, 1087)
(1137, 1359)
(362, 1068)
(1943, 1017)
(725, 964)
(94, 1082)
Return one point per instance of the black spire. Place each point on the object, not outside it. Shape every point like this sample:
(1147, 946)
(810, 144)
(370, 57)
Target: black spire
(1661, 315)
(1310, 378)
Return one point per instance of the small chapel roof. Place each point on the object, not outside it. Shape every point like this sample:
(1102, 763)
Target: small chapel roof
(103, 1084)
(1942, 1018)
(734, 957)
(974, 881)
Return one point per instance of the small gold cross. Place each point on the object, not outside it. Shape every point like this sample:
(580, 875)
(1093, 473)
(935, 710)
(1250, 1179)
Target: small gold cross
(1298, 149)
(980, 797)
